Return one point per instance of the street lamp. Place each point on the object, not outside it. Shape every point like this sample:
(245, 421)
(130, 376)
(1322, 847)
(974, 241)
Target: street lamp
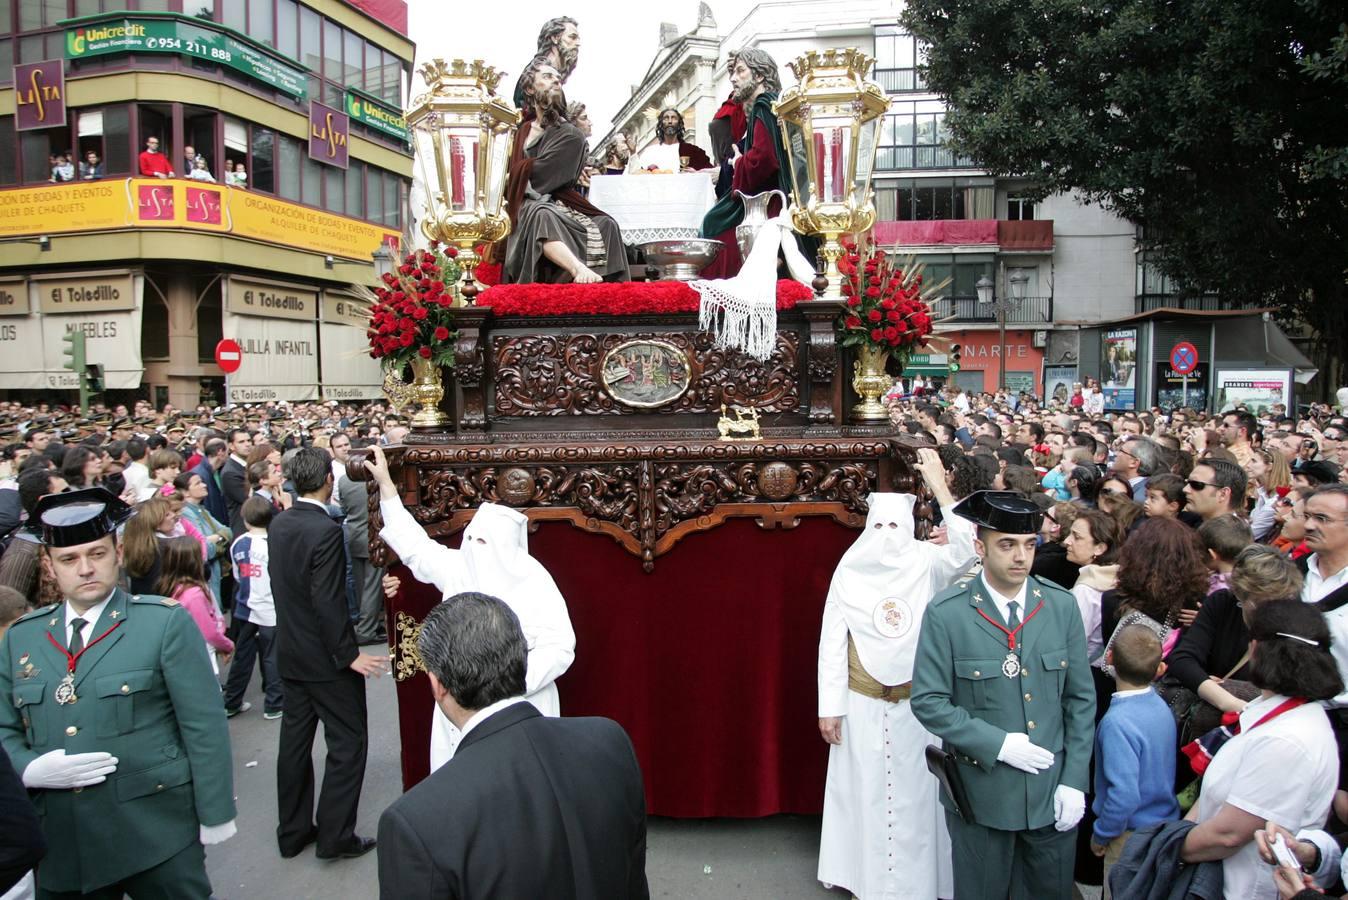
(1002, 306)
(383, 261)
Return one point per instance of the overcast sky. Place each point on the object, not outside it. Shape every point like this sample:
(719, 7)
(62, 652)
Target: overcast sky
(617, 41)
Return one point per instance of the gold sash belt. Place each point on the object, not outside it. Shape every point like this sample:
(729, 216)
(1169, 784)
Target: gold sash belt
(859, 680)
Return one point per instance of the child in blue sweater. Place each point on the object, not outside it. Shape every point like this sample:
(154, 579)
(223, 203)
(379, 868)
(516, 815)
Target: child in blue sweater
(1134, 748)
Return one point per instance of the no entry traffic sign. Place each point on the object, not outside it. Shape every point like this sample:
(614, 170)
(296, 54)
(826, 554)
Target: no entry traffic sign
(1184, 358)
(228, 356)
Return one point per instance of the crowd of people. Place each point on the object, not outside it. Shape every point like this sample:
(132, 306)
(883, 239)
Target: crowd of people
(1194, 714)
(1119, 636)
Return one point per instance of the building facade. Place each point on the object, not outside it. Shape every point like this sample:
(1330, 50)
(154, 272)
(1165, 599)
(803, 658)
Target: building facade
(280, 122)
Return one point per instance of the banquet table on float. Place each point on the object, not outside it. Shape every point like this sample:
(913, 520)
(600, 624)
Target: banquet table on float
(655, 206)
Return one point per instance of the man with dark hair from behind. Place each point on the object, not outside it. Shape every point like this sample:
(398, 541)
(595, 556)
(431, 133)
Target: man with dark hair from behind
(21, 565)
(528, 806)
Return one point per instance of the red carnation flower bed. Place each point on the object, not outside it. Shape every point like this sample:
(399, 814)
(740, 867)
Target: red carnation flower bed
(624, 299)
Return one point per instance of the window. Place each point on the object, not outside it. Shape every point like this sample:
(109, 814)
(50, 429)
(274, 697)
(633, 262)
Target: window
(332, 51)
(9, 158)
(374, 194)
(393, 80)
(914, 137)
(355, 190)
(354, 49)
(234, 13)
(374, 69)
(897, 56)
(288, 28)
(334, 189)
(288, 168)
(260, 21)
(1018, 208)
(392, 208)
(148, 5)
(117, 150)
(262, 176)
(35, 14)
(311, 30)
(6, 60)
(311, 186)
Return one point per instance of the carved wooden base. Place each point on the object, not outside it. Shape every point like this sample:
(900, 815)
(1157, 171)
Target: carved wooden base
(647, 495)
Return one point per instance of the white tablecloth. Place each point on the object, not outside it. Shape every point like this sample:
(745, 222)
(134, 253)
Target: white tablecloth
(655, 207)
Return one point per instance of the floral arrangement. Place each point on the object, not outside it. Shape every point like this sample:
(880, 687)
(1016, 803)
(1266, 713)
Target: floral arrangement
(624, 299)
(410, 313)
(886, 309)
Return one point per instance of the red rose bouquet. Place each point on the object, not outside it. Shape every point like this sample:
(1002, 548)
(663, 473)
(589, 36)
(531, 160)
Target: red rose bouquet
(411, 314)
(885, 306)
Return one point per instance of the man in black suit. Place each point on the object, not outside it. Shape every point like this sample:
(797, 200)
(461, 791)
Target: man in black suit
(322, 669)
(214, 455)
(528, 806)
(234, 478)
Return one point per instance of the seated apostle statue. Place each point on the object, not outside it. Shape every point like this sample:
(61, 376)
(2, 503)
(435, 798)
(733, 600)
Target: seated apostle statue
(557, 235)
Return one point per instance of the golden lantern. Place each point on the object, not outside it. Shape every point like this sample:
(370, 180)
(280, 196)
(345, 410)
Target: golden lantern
(462, 133)
(830, 122)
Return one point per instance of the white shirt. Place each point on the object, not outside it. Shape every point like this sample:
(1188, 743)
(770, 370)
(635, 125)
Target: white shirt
(1250, 772)
(1003, 603)
(90, 617)
(136, 476)
(1316, 588)
(321, 505)
(338, 473)
(486, 712)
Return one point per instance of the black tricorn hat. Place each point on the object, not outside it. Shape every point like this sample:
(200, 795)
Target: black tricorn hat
(78, 517)
(1006, 512)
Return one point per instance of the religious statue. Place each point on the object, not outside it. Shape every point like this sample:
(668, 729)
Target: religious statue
(559, 46)
(759, 160)
(558, 236)
(617, 155)
(726, 129)
(671, 152)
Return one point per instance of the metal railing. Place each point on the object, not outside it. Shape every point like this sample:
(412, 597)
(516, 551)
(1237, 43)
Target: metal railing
(895, 80)
(1029, 311)
(1205, 302)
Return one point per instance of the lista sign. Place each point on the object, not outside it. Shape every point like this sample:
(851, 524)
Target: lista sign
(40, 95)
(329, 134)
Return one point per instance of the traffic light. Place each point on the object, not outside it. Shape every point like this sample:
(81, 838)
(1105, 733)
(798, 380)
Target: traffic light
(74, 351)
(93, 378)
(954, 357)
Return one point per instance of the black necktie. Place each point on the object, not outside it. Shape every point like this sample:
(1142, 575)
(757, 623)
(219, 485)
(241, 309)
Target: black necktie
(77, 635)
(1013, 615)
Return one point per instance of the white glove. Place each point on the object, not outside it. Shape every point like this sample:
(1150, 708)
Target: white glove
(1019, 753)
(57, 770)
(1069, 805)
(218, 834)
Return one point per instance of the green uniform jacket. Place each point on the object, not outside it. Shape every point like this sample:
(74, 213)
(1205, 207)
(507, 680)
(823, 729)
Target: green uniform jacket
(147, 695)
(961, 695)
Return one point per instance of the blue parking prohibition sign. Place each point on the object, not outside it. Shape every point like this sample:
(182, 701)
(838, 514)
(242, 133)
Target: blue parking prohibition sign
(1184, 358)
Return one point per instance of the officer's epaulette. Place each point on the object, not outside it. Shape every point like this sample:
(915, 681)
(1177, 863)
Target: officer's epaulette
(1048, 588)
(153, 600)
(958, 586)
(38, 613)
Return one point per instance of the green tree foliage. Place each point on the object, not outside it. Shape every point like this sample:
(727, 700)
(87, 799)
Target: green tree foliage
(1221, 126)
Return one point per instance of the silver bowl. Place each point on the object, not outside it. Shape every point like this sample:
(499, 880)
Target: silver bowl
(680, 260)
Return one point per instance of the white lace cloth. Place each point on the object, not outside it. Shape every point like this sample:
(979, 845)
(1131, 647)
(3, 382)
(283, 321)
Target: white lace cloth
(741, 312)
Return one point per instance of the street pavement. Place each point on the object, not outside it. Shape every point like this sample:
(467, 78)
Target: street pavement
(703, 858)
(756, 859)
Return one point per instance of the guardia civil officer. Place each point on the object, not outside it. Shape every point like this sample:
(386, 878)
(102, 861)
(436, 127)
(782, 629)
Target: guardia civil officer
(1001, 677)
(115, 721)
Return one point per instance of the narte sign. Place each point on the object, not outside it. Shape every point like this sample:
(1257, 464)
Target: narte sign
(228, 356)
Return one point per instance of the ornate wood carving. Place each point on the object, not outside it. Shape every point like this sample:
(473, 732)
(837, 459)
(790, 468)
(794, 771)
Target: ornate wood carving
(469, 371)
(646, 496)
(559, 375)
(822, 364)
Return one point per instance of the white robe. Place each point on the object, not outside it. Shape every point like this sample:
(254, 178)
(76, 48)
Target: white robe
(510, 575)
(884, 834)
